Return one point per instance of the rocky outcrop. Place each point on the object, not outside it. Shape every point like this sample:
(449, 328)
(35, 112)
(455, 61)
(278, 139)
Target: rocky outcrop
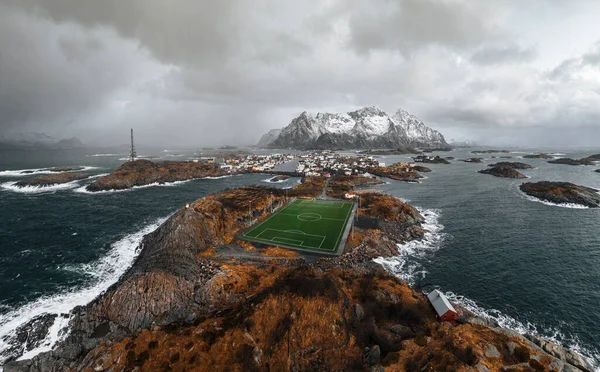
(52, 179)
(512, 164)
(503, 171)
(473, 160)
(146, 172)
(563, 193)
(538, 156)
(430, 159)
(398, 171)
(569, 161)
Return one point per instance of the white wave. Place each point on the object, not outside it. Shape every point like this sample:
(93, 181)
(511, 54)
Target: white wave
(217, 178)
(104, 272)
(404, 264)
(11, 186)
(83, 189)
(269, 180)
(506, 321)
(565, 205)
(35, 171)
(101, 155)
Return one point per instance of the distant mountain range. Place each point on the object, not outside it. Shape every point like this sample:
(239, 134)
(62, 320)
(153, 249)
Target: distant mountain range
(36, 140)
(368, 127)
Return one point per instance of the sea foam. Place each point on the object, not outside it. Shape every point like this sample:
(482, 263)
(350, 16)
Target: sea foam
(525, 328)
(36, 171)
(11, 186)
(104, 272)
(405, 265)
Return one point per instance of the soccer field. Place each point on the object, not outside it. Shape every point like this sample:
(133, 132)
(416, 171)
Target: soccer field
(310, 225)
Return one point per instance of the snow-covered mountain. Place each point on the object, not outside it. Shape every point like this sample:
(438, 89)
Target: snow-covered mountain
(368, 127)
(268, 137)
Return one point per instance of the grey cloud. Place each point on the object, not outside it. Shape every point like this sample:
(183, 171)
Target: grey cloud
(209, 72)
(407, 25)
(511, 53)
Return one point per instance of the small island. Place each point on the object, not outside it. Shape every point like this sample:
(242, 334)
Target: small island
(52, 179)
(430, 159)
(145, 172)
(562, 193)
(503, 171)
(538, 156)
(597, 171)
(280, 178)
(472, 160)
(569, 161)
(400, 171)
(512, 164)
(490, 152)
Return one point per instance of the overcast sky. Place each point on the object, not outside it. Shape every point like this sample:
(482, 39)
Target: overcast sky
(201, 73)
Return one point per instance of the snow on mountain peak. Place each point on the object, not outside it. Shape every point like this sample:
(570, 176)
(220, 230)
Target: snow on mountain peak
(366, 127)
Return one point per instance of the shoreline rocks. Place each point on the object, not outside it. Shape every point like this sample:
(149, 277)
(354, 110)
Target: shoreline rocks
(562, 193)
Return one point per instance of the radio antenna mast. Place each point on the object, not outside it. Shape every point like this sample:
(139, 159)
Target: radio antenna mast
(132, 154)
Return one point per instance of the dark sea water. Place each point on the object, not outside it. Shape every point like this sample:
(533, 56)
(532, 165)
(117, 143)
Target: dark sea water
(531, 266)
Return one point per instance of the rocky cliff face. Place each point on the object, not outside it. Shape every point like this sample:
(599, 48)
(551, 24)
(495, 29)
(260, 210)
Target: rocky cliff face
(368, 127)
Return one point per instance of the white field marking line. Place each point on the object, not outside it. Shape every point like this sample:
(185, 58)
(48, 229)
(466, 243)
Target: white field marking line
(342, 230)
(278, 239)
(271, 216)
(323, 218)
(307, 246)
(339, 205)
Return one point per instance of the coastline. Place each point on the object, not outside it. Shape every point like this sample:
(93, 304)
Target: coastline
(140, 265)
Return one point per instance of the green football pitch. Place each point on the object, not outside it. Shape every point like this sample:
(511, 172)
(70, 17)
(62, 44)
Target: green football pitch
(310, 225)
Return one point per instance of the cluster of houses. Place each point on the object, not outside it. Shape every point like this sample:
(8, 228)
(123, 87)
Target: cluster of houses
(249, 162)
(328, 164)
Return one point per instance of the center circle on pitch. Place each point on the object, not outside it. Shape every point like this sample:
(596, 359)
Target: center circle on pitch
(310, 217)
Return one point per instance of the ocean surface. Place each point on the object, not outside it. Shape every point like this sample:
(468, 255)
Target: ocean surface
(531, 266)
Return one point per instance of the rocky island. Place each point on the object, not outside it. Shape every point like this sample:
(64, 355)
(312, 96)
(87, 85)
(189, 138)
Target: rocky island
(400, 171)
(52, 179)
(538, 156)
(569, 161)
(562, 193)
(473, 160)
(430, 159)
(197, 298)
(280, 178)
(512, 164)
(145, 172)
(503, 171)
